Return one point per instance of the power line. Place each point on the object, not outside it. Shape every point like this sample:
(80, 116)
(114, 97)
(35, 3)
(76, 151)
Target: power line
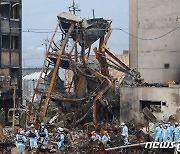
(43, 32)
(120, 29)
(31, 58)
(155, 38)
(140, 38)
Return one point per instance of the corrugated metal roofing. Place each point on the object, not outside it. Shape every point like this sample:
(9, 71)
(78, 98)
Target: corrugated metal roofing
(27, 71)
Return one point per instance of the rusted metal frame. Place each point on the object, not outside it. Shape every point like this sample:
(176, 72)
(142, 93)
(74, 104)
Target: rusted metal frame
(74, 79)
(115, 58)
(38, 82)
(63, 99)
(110, 85)
(54, 75)
(74, 65)
(78, 83)
(96, 52)
(74, 45)
(88, 53)
(101, 58)
(71, 84)
(108, 35)
(40, 105)
(82, 118)
(122, 69)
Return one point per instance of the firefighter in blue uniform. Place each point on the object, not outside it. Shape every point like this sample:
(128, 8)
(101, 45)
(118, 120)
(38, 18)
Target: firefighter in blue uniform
(60, 138)
(20, 141)
(43, 133)
(33, 136)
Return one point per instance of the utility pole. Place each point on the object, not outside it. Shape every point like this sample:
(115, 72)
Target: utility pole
(74, 9)
(14, 107)
(93, 13)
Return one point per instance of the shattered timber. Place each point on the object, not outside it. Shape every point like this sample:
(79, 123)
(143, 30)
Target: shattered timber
(92, 95)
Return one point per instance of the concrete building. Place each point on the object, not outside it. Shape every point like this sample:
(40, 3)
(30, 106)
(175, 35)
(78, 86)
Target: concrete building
(158, 59)
(10, 52)
(162, 102)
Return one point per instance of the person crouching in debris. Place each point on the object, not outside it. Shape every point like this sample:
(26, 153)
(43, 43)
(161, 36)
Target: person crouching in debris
(176, 132)
(165, 134)
(43, 133)
(124, 133)
(95, 136)
(60, 138)
(106, 139)
(21, 140)
(158, 133)
(33, 136)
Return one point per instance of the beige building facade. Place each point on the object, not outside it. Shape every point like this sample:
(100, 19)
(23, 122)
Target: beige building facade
(156, 51)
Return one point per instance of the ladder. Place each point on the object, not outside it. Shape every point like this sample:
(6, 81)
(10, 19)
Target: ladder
(44, 73)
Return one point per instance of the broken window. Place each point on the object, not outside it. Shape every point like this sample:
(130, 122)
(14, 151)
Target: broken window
(14, 42)
(153, 106)
(5, 41)
(14, 75)
(15, 11)
(4, 9)
(166, 66)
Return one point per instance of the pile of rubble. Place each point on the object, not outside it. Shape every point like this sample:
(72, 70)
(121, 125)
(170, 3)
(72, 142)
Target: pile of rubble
(90, 94)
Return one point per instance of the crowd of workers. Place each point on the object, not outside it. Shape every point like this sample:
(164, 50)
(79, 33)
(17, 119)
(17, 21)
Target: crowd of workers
(106, 138)
(35, 136)
(42, 136)
(163, 133)
(167, 132)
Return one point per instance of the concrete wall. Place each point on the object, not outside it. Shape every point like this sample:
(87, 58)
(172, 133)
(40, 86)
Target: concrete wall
(130, 106)
(151, 19)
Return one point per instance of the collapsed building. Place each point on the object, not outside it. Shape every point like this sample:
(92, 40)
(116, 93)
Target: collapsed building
(92, 94)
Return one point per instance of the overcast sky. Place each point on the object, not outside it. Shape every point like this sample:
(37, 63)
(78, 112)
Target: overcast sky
(41, 16)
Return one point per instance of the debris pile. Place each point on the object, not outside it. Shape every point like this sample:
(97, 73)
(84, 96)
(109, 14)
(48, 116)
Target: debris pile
(90, 93)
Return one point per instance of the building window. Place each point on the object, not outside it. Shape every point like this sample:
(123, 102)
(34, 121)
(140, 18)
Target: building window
(14, 75)
(153, 106)
(15, 11)
(5, 41)
(4, 9)
(14, 42)
(166, 66)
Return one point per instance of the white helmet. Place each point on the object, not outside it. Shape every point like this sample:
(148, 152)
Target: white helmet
(42, 124)
(60, 129)
(176, 123)
(122, 124)
(32, 126)
(22, 132)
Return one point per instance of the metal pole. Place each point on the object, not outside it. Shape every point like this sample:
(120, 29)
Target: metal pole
(14, 106)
